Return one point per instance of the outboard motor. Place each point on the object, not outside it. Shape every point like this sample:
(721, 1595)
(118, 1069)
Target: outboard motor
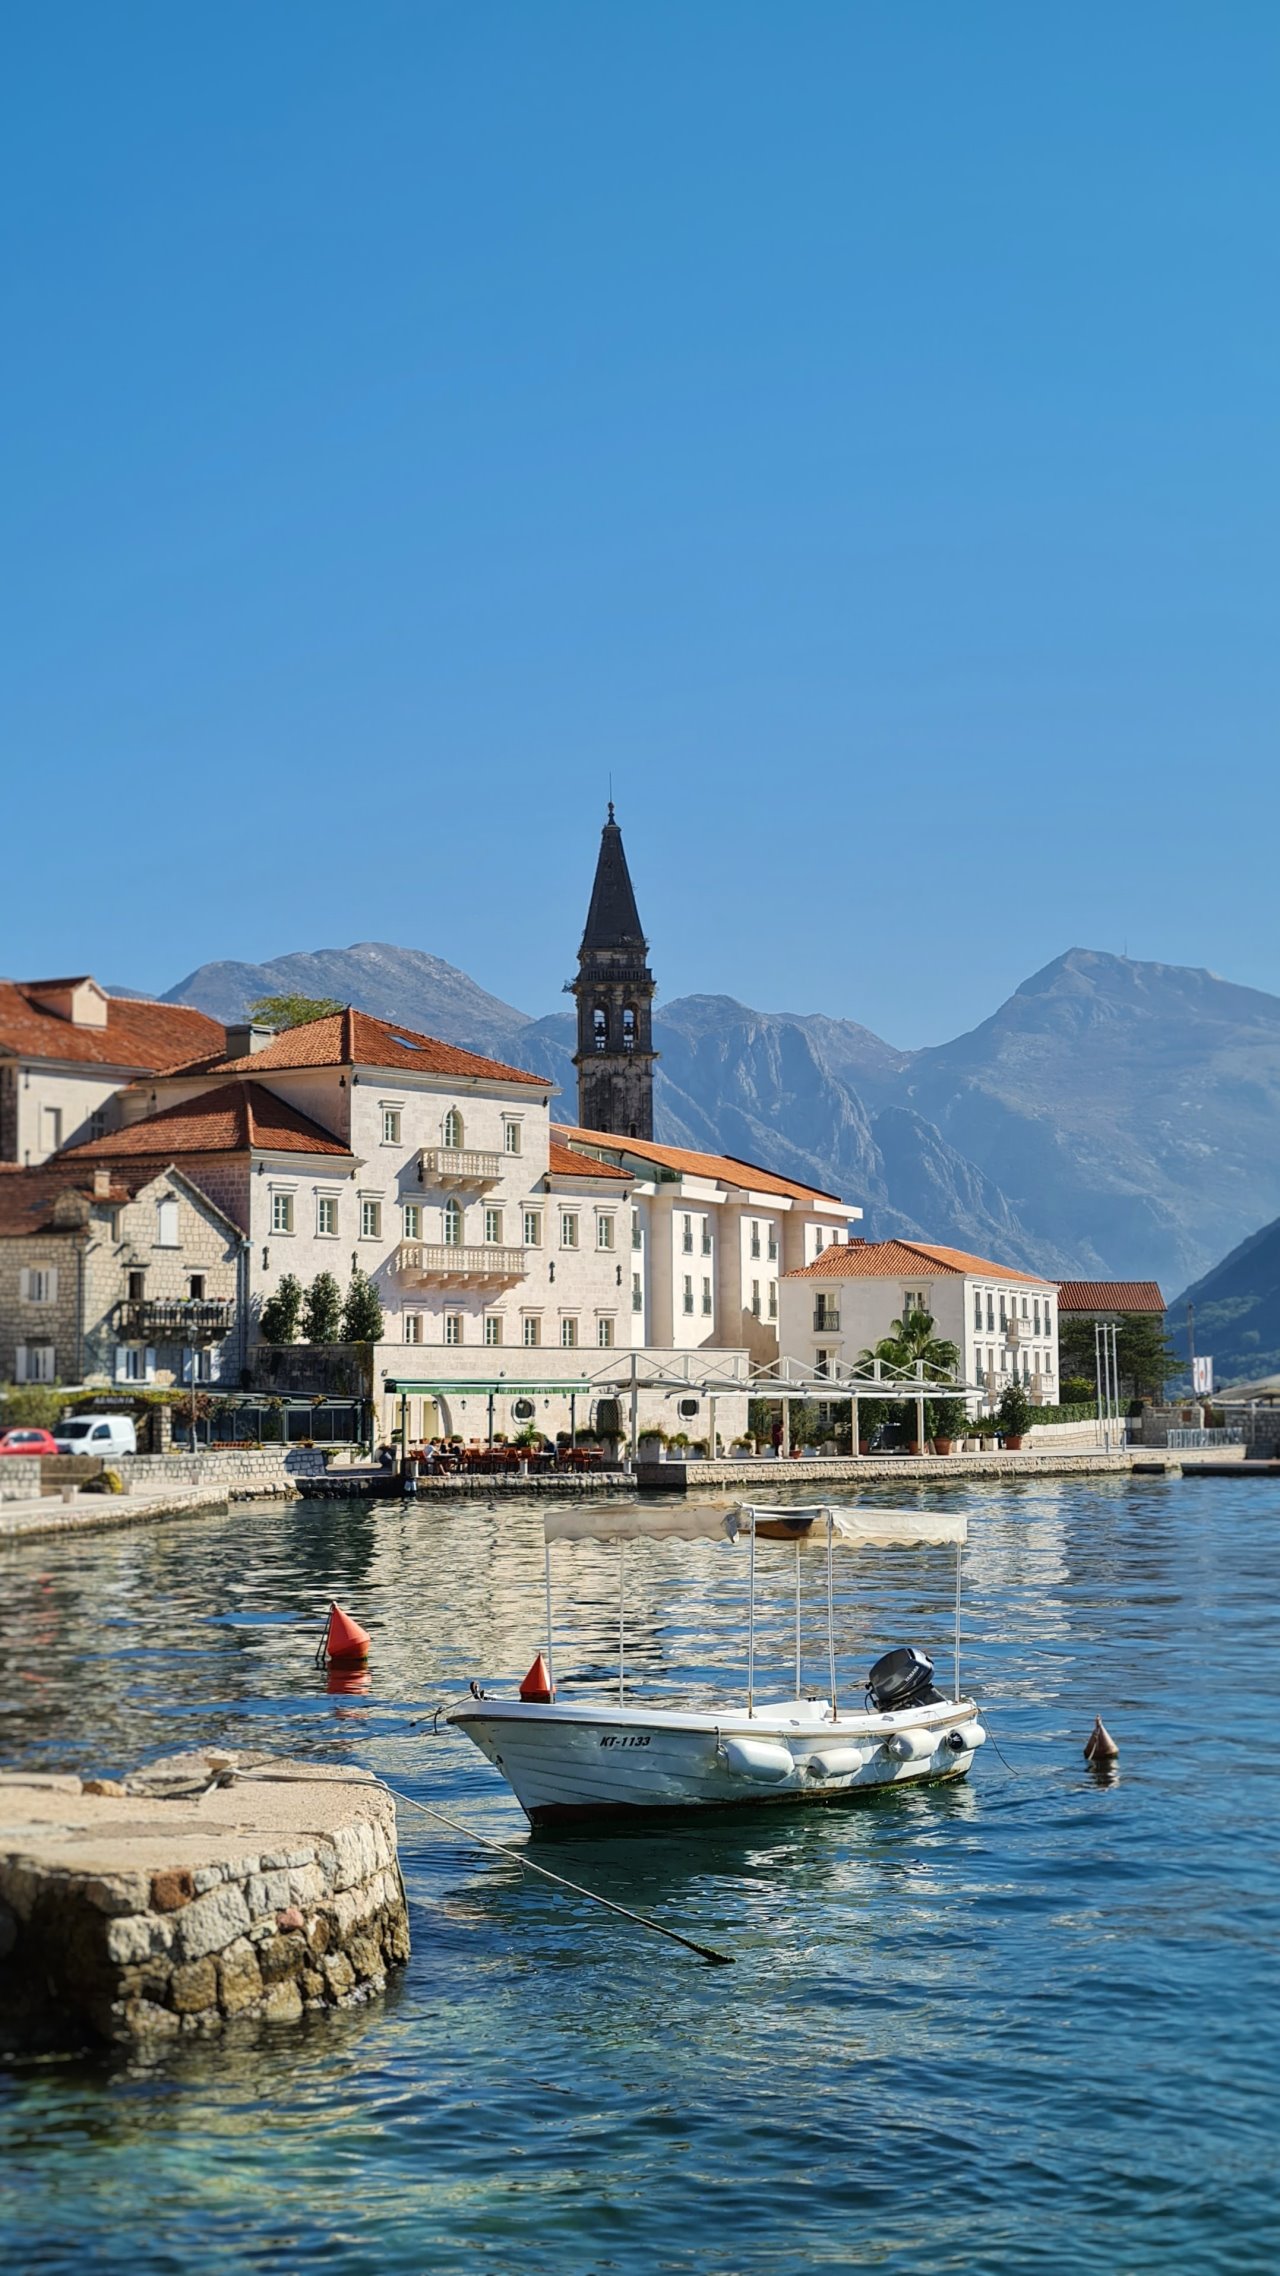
(902, 1678)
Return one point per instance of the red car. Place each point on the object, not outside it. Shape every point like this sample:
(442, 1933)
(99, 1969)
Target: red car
(28, 1442)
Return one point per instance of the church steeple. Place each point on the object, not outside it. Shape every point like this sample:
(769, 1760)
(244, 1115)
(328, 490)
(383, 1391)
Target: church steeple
(614, 991)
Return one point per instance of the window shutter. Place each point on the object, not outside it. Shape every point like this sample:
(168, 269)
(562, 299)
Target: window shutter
(20, 1364)
(151, 1365)
(24, 1285)
(53, 1283)
(122, 1363)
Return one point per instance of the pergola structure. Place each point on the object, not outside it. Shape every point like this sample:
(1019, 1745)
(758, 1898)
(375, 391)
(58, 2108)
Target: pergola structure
(783, 1379)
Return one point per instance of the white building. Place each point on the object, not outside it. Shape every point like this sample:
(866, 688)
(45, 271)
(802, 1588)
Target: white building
(67, 1050)
(710, 1239)
(1004, 1323)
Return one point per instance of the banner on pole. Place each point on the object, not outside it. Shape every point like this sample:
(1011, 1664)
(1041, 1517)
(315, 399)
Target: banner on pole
(1202, 1376)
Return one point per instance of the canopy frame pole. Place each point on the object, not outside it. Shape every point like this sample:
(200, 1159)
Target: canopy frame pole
(831, 1621)
(751, 1619)
(546, 1582)
(622, 1631)
(959, 1560)
(797, 1616)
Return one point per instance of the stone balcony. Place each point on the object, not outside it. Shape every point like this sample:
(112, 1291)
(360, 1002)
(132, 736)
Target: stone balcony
(443, 1265)
(458, 1165)
(177, 1319)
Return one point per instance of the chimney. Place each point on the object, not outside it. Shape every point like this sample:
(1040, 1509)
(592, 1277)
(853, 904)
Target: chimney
(101, 1185)
(243, 1039)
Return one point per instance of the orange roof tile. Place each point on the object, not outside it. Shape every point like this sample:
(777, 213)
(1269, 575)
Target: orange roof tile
(565, 1163)
(27, 1198)
(895, 1260)
(237, 1118)
(724, 1168)
(1109, 1296)
(139, 1035)
(356, 1039)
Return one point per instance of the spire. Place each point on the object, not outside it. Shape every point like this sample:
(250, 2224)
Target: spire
(613, 920)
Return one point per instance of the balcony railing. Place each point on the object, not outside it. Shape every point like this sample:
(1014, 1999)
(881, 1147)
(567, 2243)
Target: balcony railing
(442, 1261)
(177, 1319)
(826, 1322)
(459, 1165)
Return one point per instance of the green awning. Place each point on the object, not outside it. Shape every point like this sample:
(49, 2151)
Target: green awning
(505, 1389)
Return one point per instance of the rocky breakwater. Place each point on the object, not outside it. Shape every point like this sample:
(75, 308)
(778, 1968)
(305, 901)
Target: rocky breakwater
(204, 1890)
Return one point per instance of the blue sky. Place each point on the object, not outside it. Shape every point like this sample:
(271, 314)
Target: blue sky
(851, 426)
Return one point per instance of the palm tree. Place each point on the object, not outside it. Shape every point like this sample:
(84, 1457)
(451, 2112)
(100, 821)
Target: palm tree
(910, 1340)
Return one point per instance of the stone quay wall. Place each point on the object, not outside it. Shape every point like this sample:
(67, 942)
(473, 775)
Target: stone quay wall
(762, 1478)
(19, 1477)
(243, 1469)
(208, 1890)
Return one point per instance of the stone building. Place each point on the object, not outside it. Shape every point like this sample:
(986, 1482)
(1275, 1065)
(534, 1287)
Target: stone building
(614, 991)
(67, 1050)
(116, 1273)
(1003, 1322)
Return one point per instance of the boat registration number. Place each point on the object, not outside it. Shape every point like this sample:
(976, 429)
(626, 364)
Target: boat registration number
(629, 1739)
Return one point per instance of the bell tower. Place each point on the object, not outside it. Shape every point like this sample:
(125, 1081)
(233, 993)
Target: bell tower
(614, 991)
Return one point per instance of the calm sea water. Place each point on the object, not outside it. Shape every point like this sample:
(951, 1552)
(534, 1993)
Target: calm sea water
(1029, 2022)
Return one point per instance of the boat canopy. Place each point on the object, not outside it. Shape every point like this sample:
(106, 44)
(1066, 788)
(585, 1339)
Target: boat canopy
(863, 1527)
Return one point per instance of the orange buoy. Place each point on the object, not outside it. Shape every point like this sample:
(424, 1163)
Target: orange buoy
(346, 1643)
(537, 1684)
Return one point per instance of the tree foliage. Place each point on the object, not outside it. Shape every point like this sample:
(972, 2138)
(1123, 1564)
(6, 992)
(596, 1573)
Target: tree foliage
(1014, 1410)
(292, 1011)
(31, 1406)
(278, 1321)
(322, 1310)
(1145, 1359)
(910, 1340)
(362, 1312)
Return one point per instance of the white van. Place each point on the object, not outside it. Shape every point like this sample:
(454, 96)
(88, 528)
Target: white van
(107, 1435)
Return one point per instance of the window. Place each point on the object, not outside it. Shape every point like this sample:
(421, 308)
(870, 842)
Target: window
(604, 1334)
(568, 1228)
(51, 1128)
(281, 1212)
(195, 1288)
(1025, 1314)
(39, 1284)
(34, 1363)
(977, 1307)
(600, 1028)
(628, 1027)
(453, 1328)
(569, 1334)
(637, 1293)
(413, 1327)
(823, 1363)
(533, 1228)
(604, 1232)
(819, 1242)
(451, 1129)
(451, 1224)
(772, 1246)
(132, 1364)
(203, 1366)
(412, 1221)
(493, 1228)
(688, 1292)
(915, 1300)
(755, 1298)
(98, 1122)
(492, 1329)
(706, 1236)
(370, 1220)
(1048, 1324)
(991, 1316)
(327, 1215)
(530, 1332)
(1004, 1311)
(167, 1223)
(706, 1297)
(390, 1125)
(636, 1235)
(687, 1242)
(773, 1299)
(510, 1137)
(1036, 1308)
(755, 1238)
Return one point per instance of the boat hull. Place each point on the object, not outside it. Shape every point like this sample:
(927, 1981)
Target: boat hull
(569, 1765)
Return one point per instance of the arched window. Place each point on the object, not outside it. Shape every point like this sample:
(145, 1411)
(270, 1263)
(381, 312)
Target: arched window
(453, 1224)
(600, 1028)
(629, 1027)
(451, 1134)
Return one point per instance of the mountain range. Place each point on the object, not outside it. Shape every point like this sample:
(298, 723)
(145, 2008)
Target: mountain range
(1112, 1119)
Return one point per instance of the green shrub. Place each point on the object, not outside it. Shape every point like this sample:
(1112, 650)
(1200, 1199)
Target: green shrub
(1014, 1411)
(1077, 1390)
(278, 1320)
(322, 1310)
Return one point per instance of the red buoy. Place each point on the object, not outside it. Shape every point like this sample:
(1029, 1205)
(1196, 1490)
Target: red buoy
(346, 1643)
(537, 1684)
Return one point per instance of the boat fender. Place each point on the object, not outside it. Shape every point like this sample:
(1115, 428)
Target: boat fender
(910, 1746)
(836, 1762)
(969, 1737)
(757, 1759)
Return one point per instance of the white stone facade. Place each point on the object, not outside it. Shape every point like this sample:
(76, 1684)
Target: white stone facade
(1004, 1323)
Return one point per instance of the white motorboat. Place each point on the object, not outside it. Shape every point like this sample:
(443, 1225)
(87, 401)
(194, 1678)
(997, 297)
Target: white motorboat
(583, 1759)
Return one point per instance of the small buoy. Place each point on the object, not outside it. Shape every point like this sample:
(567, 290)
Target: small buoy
(1100, 1747)
(537, 1685)
(346, 1643)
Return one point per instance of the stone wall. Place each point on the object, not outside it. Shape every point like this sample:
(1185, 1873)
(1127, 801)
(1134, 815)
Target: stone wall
(253, 1469)
(208, 1890)
(19, 1478)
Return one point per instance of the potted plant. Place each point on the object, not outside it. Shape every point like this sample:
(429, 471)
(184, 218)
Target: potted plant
(948, 1422)
(1015, 1416)
(872, 1416)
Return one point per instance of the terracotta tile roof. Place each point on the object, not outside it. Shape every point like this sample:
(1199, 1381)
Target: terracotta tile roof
(565, 1163)
(356, 1039)
(1109, 1296)
(897, 1260)
(27, 1197)
(722, 1167)
(143, 1036)
(234, 1119)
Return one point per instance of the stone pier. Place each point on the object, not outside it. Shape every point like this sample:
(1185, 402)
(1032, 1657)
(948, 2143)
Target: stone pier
(208, 1888)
